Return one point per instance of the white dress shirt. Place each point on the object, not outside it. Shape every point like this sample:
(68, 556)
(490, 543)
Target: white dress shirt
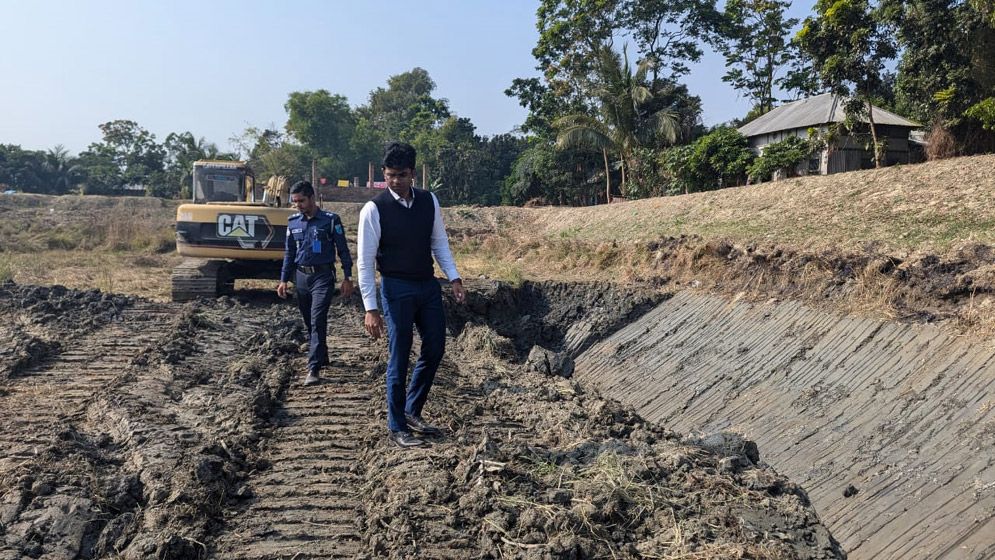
(369, 242)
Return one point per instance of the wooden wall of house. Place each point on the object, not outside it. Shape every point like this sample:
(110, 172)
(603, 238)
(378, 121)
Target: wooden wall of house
(758, 142)
(848, 155)
(845, 159)
(852, 159)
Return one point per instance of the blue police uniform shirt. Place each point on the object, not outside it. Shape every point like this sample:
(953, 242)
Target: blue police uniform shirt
(312, 242)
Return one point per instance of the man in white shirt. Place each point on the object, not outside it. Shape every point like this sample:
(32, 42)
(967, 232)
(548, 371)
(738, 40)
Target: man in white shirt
(400, 230)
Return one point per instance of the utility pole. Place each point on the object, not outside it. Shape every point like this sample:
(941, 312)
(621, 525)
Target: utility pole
(424, 176)
(369, 185)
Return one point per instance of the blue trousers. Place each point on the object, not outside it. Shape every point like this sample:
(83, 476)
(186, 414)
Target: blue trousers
(314, 296)
(407, 304)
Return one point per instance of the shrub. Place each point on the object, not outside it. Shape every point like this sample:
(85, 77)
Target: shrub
(940, 143)
(554, 176)
(717, 160)
(786, 154)
(643, 179)
(677, 170)
(983, 111)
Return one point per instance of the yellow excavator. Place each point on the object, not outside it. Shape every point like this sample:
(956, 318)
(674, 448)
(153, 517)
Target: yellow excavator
(229, 230)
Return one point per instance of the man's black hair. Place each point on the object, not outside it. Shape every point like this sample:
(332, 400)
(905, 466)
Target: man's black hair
(304, 188)
(398, 155)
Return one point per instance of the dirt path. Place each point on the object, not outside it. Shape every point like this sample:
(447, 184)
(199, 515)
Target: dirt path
(305, 504)
(125, 436)
(417, 497)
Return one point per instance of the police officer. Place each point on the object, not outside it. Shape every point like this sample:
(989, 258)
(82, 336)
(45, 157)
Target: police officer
(310, 235)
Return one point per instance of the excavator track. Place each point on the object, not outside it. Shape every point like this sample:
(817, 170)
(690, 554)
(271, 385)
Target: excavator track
(198, 278)
(307, 503)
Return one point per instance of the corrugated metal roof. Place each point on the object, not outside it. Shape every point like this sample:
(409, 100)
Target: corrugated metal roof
(813, 111)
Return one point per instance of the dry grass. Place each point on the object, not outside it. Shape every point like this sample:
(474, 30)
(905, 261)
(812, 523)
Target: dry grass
(926, 207)
(124, 245)
(901, 213)
(146, 276)
(6, 267)
(34, 223)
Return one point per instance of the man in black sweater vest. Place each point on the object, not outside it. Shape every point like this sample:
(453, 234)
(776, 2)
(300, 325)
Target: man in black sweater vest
(400, 230)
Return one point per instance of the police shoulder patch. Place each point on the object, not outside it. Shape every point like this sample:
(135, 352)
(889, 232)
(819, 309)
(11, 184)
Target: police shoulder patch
(329, 214)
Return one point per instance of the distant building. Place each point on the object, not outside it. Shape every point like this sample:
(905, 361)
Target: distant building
(133, 189)
(846, 153)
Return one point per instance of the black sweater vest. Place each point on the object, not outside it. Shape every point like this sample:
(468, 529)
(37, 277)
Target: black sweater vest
(405, 249)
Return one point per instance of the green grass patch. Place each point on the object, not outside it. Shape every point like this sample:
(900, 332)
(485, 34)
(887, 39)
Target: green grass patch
(6, 268)
(62, 240)
(570, 233)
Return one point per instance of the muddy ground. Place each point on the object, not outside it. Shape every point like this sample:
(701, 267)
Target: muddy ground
(135, 429)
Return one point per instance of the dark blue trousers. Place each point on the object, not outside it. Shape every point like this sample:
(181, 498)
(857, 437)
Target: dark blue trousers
(314, 296)
(407, 304)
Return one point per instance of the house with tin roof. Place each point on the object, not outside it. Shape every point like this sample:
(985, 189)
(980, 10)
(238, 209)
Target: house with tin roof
(845, 150)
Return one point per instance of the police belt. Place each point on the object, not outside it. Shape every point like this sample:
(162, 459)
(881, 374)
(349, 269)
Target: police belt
(315, 269)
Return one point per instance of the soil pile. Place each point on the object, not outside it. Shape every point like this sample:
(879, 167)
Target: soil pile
(538, 467)
(35, 321)
(957, 287)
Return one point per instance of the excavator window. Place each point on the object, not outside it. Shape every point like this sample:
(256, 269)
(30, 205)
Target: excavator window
(218, 185)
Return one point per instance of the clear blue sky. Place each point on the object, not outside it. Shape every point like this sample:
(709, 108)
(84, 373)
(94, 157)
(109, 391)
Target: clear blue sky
(216, 67)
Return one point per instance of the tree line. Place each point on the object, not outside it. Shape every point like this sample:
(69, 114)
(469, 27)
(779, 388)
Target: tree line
(610, 114)
(127, 156)
(321, 130)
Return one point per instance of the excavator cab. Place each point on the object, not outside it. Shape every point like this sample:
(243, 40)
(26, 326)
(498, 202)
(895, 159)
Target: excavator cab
(228, 230)
(222, 181)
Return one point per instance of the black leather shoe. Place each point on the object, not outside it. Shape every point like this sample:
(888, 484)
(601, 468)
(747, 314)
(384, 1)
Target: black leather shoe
(422, 427)
(405, 440)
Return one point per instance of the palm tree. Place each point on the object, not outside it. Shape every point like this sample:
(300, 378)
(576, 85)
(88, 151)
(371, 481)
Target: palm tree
(60, 169)
(624, 123)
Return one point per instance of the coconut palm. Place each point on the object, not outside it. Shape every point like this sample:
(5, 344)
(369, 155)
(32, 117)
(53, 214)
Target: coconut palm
(624, 122)
(60, 169)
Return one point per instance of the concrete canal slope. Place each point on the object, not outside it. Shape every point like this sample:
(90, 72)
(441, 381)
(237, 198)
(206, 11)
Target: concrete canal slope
(905, 414)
